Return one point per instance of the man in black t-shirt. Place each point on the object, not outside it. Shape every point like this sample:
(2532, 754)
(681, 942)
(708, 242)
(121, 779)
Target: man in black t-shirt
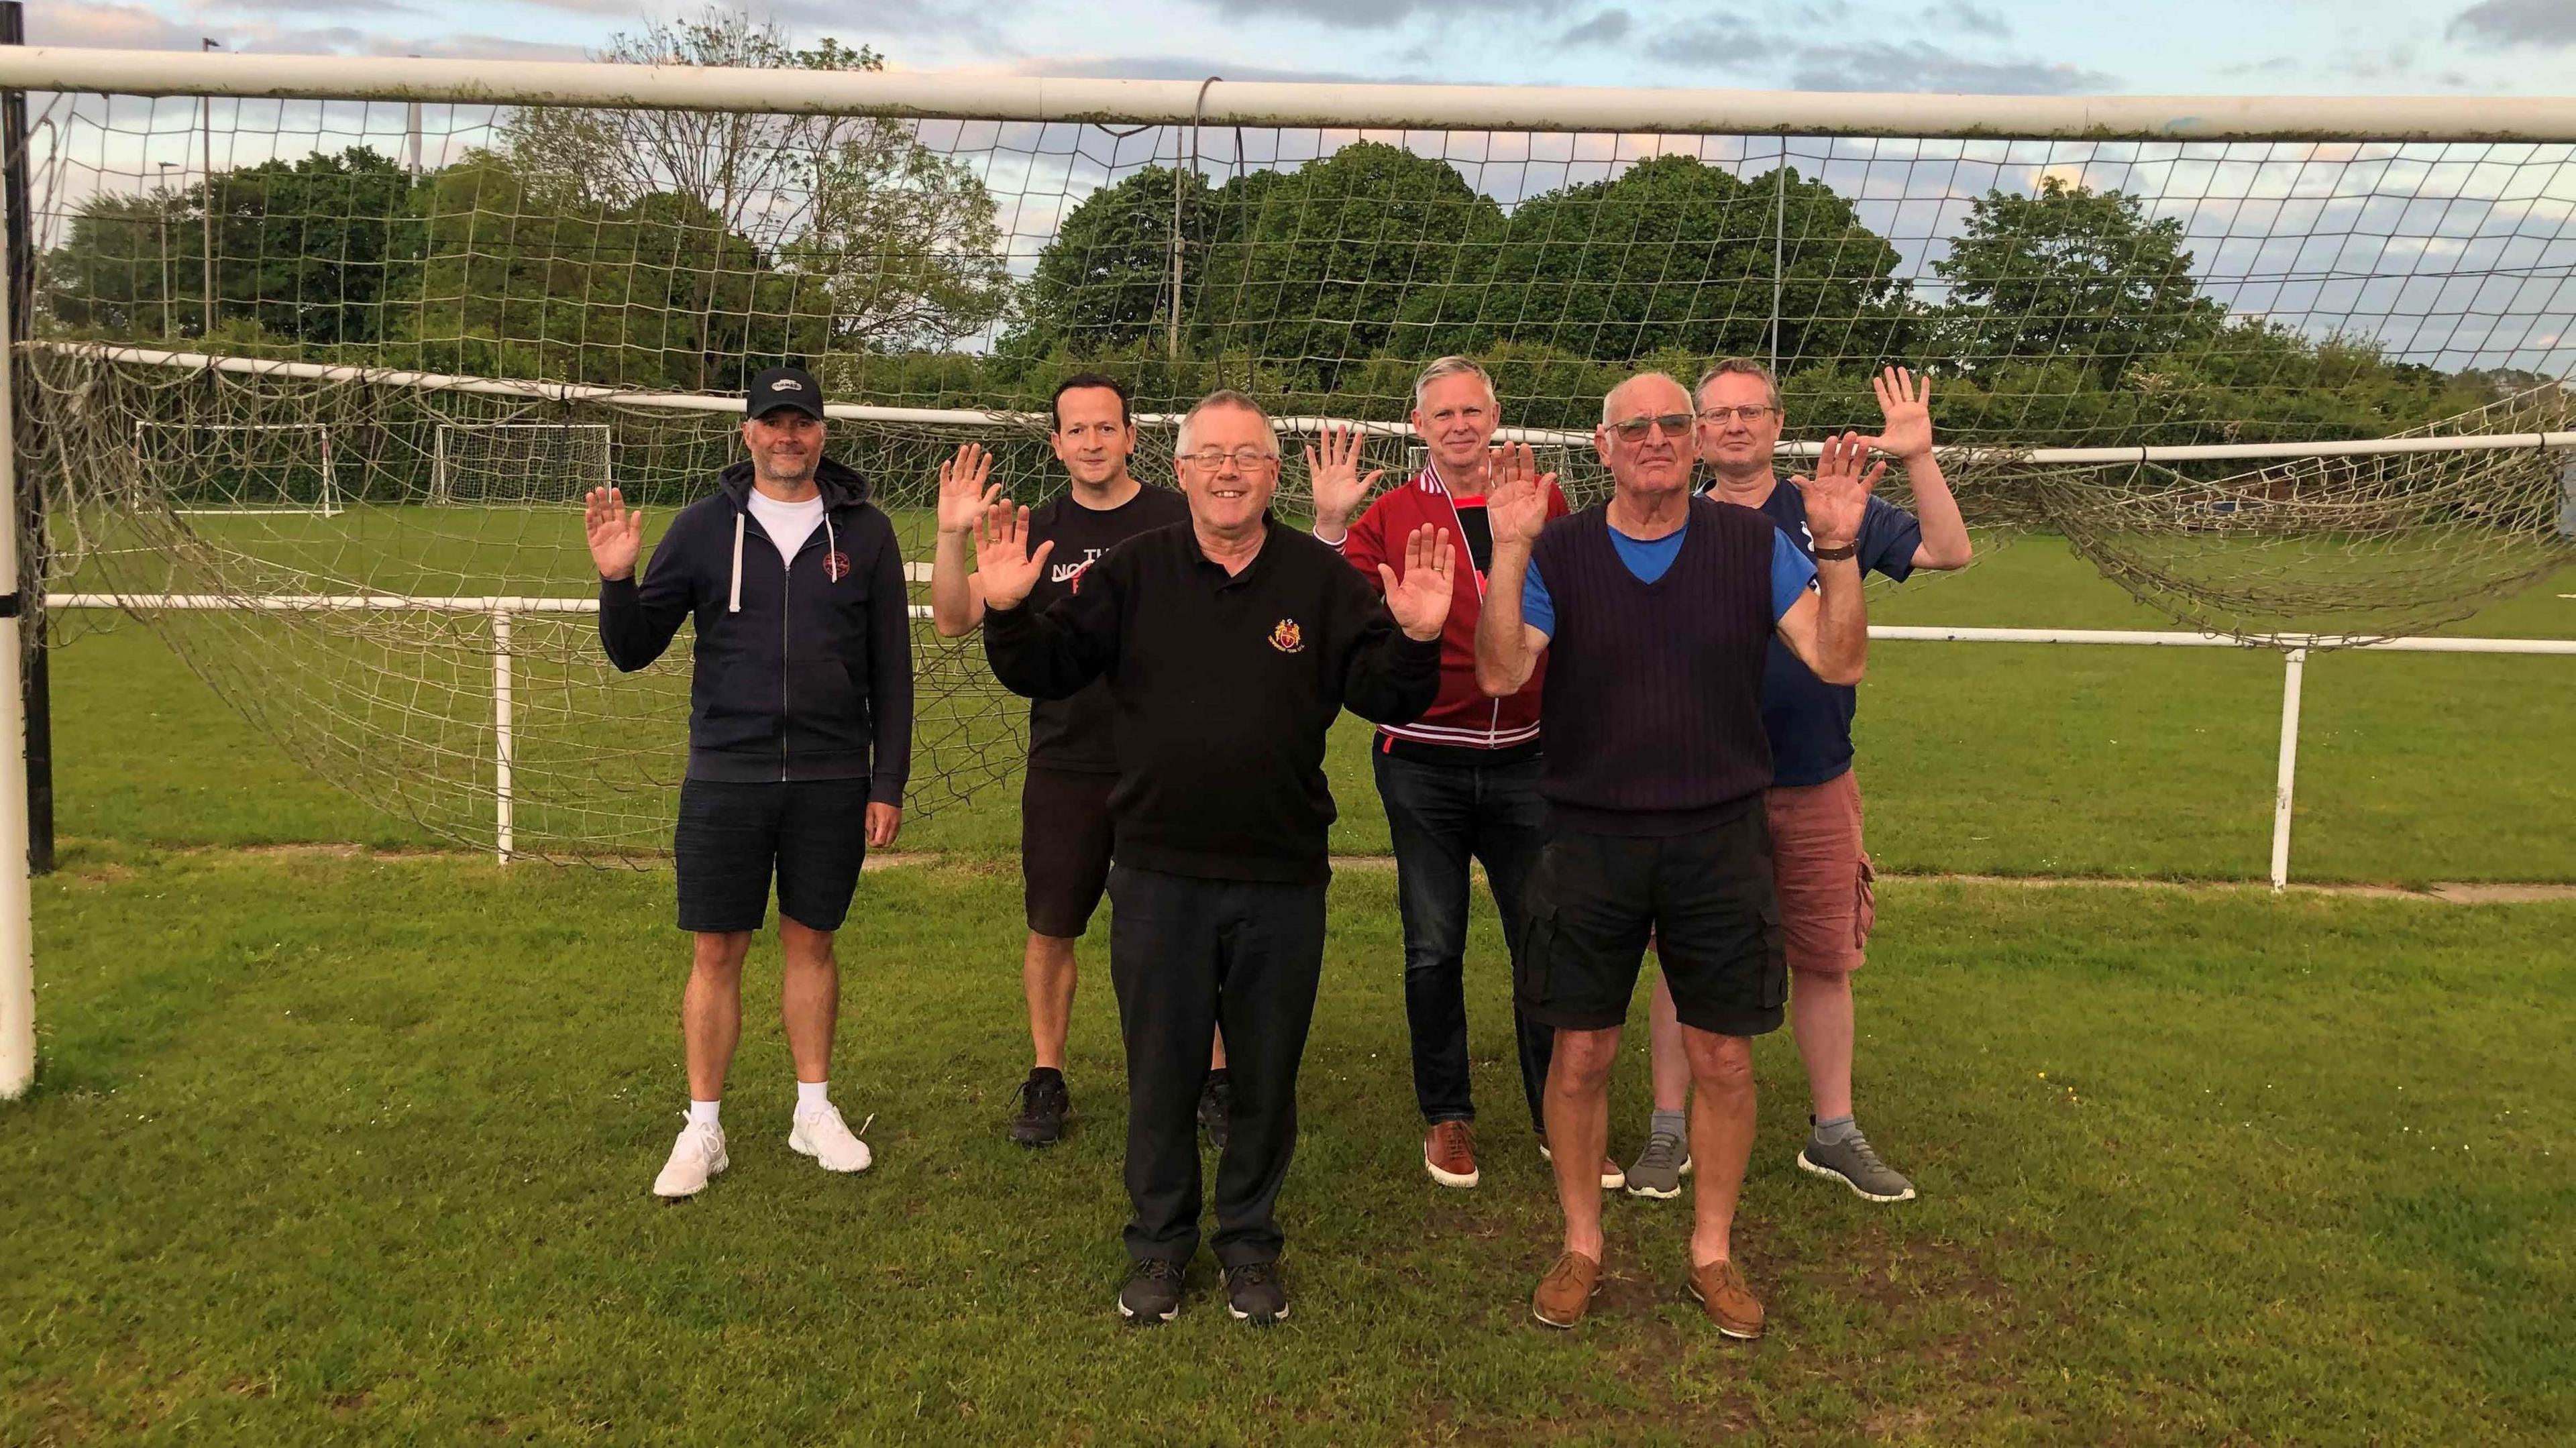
(1073, 755)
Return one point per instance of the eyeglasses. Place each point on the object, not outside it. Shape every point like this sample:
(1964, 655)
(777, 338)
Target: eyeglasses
(1633, 429)
(1721, 416)
(1246, 459)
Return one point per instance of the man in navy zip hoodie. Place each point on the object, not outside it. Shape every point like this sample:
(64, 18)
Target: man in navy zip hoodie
(800, 737)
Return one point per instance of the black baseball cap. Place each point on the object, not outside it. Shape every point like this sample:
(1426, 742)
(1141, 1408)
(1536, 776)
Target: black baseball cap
(784, 387)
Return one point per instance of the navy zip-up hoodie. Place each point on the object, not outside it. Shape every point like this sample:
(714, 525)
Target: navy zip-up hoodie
(800, 672)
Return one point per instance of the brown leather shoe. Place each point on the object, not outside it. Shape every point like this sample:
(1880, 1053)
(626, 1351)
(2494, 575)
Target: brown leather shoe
(1565, 1293)
(1727, 1298)
(1449, 1153)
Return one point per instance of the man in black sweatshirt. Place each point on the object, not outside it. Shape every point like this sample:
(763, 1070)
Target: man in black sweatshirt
(800, 737)
(1229, 644)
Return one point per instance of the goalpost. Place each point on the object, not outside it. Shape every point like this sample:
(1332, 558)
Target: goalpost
(519, 464)
(242, 467)
(2293, 371)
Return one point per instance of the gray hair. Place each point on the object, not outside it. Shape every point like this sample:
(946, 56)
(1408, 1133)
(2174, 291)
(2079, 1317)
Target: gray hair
(1453, 367)
(1739, 367)
(1612, 396)
(1228, 400)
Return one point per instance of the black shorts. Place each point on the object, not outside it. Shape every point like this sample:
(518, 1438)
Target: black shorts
(813, 834)
(1064, 848)
(1707, 898)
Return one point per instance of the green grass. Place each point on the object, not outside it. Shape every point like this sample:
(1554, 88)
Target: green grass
(331, 1148)
(334, 1150)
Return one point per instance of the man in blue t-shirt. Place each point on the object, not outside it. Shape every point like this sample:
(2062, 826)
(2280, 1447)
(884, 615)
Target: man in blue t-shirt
(1821, 868)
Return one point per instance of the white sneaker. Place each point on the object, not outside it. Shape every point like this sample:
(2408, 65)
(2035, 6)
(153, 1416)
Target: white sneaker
(822, 1135)
(696, 1156)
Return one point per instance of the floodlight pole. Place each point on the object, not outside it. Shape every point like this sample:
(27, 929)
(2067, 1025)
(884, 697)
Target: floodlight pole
(17, 923)
(206, 119)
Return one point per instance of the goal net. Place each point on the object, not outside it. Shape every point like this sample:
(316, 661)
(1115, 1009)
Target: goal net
(2272, 385)
(501, 463)
(238, 467)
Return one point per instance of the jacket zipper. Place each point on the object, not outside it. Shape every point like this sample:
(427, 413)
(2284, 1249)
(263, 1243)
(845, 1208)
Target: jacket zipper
(1458, 530)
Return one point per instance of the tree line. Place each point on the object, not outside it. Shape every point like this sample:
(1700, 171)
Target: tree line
(679, 251)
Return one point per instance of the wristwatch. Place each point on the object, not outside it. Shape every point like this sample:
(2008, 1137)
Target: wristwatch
(1837, 555)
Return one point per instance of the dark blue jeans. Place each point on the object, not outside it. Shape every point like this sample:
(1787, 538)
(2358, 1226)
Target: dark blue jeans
(1441, 816)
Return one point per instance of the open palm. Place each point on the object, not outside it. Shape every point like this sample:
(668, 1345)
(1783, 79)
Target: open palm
(1419, 598)
(1002, 557)
(614, 531)
(1837, 497)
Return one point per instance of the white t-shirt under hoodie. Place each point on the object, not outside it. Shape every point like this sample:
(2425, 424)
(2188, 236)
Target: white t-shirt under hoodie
(787, 524)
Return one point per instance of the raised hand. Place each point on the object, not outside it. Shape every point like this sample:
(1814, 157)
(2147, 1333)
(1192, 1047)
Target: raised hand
(1420, 598)
(963, 490)
(1837, 497)
(616, 534)
(1905, 405)
(1333, 474)
(1002, 556)
(1516, 494)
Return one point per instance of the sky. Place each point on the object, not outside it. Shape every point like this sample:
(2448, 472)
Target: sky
(2212, 47)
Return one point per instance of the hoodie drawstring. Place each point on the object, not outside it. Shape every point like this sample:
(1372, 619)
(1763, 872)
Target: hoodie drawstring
(831, 547)
(733, 603)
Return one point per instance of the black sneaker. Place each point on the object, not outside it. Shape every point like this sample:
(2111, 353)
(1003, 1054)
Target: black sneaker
(1153, 1292)
(1216, 1105)
(1044, 1104)
(1254, 1294)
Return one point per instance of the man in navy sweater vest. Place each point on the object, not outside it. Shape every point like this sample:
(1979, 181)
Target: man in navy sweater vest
(1656, 611)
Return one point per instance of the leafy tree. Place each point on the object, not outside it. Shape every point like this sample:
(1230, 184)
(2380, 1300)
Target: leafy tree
(1674, 254)
(900, 243)
(316, 251)
(2070, 273)
(1314, 270)
(1104, 282)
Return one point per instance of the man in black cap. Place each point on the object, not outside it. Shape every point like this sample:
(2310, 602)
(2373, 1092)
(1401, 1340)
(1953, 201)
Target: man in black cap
(800, 736)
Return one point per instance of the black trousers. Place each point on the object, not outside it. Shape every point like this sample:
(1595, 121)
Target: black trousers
(1187, 955)
(1440, 816)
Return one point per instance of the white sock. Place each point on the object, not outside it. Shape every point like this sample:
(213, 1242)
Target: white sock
(812, 1096)
(703, 1113)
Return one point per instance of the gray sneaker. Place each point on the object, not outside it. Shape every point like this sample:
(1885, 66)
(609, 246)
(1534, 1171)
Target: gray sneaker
(1660, 1167)
(1854, 1162)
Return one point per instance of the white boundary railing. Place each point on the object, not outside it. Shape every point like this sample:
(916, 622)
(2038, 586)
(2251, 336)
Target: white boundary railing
(502, 609)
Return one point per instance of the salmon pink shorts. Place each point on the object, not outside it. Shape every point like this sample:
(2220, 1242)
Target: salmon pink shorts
(1822, 875)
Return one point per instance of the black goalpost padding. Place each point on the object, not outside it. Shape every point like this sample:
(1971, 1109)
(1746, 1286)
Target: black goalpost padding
(31, 501)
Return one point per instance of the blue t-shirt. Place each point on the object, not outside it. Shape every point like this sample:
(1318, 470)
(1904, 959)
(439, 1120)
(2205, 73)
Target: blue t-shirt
(1650, 558)
(1809, 720)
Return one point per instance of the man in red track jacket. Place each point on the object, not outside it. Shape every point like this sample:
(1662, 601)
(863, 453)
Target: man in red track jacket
(1461, 781)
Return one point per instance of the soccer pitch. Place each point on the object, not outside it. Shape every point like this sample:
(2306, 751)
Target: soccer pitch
(349, 1145)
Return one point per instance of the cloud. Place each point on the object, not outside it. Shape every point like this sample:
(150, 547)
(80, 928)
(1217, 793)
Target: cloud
(318, 7)
(1365, 14)
(1974, 19)
(2274, 65)
(1715, 44)
(2501, 24)
(116, 27)
(1603, 29)
(1880, 65)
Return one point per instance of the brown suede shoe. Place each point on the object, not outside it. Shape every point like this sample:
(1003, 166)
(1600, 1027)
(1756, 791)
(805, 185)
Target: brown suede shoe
(1449, 1153)
(1565, 1293)
(1729, 1301)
